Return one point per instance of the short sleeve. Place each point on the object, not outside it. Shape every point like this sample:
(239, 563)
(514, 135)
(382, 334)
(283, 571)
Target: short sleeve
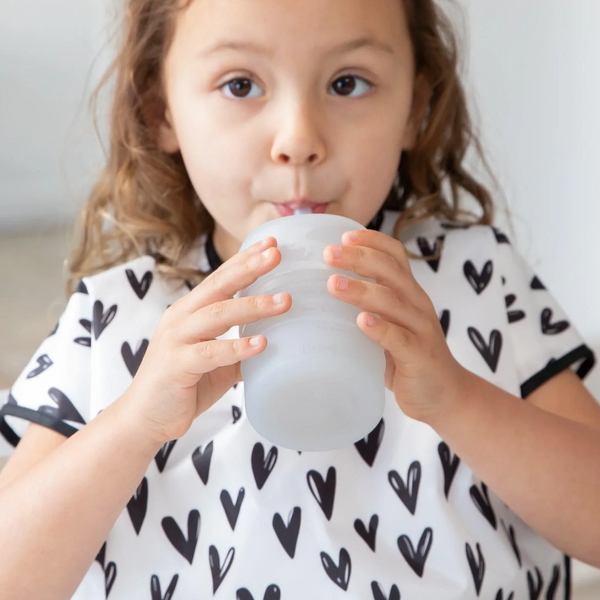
(544, 340)
(54, 388)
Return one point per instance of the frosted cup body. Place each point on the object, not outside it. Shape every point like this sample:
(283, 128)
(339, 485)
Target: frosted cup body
(319, 384)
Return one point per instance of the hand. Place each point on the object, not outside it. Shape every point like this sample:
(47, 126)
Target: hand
(185, 370)
(420, 369)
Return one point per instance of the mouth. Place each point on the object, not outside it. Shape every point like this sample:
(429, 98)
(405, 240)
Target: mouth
(287, 209)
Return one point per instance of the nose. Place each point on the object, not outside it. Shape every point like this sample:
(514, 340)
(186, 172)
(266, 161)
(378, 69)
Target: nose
(298, 140)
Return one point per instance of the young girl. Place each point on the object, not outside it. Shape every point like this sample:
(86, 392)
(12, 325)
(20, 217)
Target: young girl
(139, 476)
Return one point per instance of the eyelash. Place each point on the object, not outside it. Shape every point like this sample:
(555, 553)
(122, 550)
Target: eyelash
(245, 78)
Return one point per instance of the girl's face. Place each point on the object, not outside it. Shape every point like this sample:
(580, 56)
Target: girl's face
(274, 100)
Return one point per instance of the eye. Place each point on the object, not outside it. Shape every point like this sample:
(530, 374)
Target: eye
(347, 83)
(239, 87)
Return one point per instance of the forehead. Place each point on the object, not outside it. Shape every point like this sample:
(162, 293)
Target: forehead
(311, 26)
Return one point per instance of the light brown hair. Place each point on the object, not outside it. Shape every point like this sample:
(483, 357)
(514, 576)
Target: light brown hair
(144, 202)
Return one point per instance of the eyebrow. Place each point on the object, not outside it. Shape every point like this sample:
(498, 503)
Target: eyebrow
(363, 42)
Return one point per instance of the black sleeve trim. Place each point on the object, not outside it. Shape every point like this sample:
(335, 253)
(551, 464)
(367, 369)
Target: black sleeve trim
(567, 577)
(14, 410)
(8, 433)
(583, 353)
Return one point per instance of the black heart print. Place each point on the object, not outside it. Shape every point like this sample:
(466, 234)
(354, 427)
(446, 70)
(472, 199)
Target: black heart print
(536, 284)
(370, 535)
(186, 546)
(44, 363)
(110, 574)
(81, 288)
(201, 459)
(66, 411)
(218, 573)
(232, 511)
(156, 591)
(416, 559)
(236, 413)
(477, 566)
(407, 492)
(449, 465)
(288, 534)
(138, 504)
(369, 446)
(163, 455)
(110, 571)
(101, 556)
(535, 587)
(133, 360)
(445, 322)
(101, 320)
(549, 328)
(190, 286)
(553, 585)
(510, 532)
(491, 352)
(478, 281)
(263, 466)
(338, 573)
(428, 252)
(139, 287)
(272, 593)
(378, 593)
(501, 237)
(482, 502)
(513, 315)
(500, 595)
(85, 340)
(323, 490)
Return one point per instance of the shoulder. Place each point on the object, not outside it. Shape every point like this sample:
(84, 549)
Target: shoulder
(139, 278)
(432, 230)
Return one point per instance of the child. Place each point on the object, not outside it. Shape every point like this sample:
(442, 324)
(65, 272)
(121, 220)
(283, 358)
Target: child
(139, 454)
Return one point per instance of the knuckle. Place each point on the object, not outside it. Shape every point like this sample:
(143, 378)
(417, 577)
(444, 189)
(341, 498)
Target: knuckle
(216, 310)
(207, 351)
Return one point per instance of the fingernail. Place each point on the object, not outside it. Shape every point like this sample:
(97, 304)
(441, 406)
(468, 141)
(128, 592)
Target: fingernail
(255, 341)
(259, 245)
(342, 283)
(352, 235)
(278, 298)
(371, 320)
(336, 251)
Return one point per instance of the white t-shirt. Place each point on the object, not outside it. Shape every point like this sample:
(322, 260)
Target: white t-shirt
(222, 513)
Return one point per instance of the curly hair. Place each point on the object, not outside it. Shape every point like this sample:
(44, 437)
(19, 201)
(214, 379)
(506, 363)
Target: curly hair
(144, 203)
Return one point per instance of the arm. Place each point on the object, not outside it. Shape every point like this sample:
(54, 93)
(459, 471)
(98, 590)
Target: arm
(85, 483)
(544, 466)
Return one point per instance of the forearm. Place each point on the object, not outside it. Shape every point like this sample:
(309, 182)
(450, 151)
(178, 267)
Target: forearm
(545, 467)
(54, 518)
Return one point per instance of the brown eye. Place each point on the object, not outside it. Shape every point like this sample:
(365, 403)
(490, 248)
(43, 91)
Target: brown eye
(239, 87)
(347, 84)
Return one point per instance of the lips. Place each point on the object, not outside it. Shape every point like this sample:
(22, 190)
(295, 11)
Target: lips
(287, 210)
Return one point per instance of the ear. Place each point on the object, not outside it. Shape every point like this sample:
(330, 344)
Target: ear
(420, 102)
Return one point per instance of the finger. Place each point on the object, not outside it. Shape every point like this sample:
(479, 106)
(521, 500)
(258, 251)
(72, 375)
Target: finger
(379, 299)
(376, 265)
(240, 271)
(378, 240)
(397, 340)
(205, 357)
(216, 319)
